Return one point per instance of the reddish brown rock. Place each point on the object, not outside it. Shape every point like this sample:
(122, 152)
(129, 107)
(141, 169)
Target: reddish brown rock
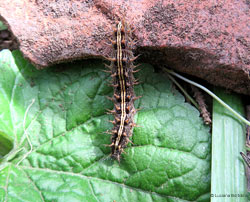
(202, 38)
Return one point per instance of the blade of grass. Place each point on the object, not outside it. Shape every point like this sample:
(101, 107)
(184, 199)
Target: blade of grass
(228, 140)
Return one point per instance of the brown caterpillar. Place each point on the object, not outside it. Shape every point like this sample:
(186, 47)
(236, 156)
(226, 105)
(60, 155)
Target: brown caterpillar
(123, 81)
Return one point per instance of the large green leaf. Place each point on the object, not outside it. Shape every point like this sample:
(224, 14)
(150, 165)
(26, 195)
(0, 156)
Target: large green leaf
(169, 160)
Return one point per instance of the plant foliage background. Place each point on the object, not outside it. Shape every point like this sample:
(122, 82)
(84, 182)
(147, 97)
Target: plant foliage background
(169, 159)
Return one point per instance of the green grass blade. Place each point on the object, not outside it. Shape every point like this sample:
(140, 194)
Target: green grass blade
(228, 140)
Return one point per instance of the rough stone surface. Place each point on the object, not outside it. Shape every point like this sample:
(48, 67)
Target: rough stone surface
(207, 39)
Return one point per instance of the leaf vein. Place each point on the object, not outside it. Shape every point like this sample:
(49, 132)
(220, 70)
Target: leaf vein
(104, 180)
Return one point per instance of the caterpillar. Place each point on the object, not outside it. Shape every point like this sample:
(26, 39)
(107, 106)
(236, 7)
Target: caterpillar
(123, 81)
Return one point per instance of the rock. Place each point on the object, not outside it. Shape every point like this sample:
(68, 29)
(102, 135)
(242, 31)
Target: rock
(207, 39)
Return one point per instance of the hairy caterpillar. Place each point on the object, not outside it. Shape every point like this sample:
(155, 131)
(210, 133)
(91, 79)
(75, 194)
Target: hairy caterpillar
(123, 81)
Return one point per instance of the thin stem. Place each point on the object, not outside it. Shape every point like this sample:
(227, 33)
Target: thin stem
(184, 92)
(25, 132)
(210, 93)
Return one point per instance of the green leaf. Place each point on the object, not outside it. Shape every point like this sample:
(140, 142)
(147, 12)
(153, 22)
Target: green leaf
(169, 160)
(5, 144)
(2, 26)
(228, 175)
